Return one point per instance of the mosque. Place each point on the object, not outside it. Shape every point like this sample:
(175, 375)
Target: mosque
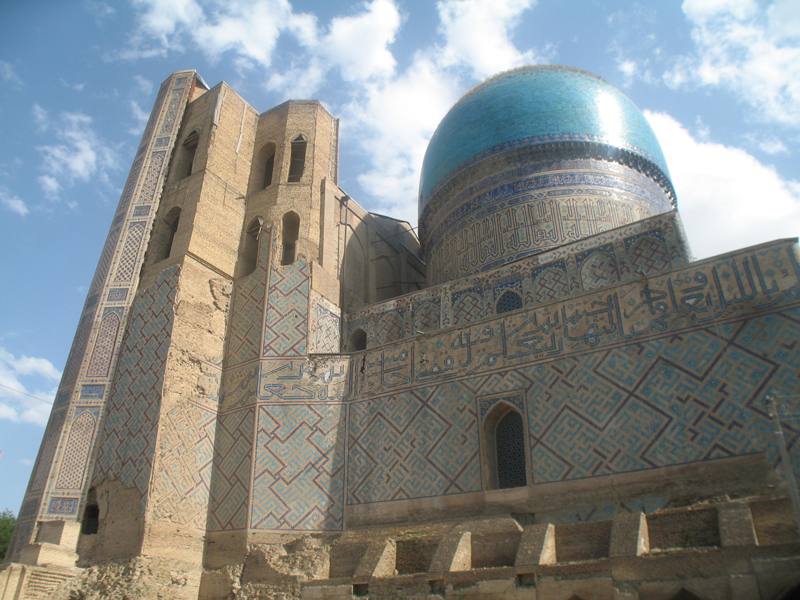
(275, 393)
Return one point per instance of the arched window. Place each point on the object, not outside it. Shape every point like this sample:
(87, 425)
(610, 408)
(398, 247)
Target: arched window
(269, 163)
(504, 437)
(290, 233)
(358, 341)
(164, 235)
(297, 163)
(90, 522)
(510, 451)
(249, 256)
(185, 162)
(508, 301)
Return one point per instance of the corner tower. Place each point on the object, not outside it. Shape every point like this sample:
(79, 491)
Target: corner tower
(532, 159)
(56, 496)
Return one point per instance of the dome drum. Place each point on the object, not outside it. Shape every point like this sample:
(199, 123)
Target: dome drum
(532, 159)
(490, 217)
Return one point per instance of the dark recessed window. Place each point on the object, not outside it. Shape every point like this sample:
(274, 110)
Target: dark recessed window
(297, 163)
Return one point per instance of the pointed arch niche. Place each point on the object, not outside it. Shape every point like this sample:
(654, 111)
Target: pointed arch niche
(504, 433)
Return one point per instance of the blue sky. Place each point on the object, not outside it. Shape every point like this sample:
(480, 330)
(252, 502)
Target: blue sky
(719, 81)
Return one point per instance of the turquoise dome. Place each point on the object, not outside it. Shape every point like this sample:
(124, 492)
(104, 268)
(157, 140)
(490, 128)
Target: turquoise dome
(539, 105)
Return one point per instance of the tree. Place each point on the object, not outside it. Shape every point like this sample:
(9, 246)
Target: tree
(7, 522)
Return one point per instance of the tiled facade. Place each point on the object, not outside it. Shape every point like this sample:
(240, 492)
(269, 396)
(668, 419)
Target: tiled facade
(228, 407)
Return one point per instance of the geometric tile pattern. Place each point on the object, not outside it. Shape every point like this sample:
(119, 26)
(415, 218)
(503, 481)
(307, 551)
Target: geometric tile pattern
(387, 328)
(247, 308)
(518, 214)
(427, 314)
(127, 443)
(551, 283)
(182, 472)
(647, 253)
(598, 268)
(148, 190)
(299, 467)
(467, 307)
(117, 294)
(130, 251)
(420, 442)
(76, 452)
(286, 325)
(678, 398)
(63, 506)
(104, 345)
(230, 484)
(324, 328)
(92, 392)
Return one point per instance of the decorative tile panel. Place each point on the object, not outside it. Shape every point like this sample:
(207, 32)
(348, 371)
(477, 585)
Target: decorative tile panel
(598, 268)
(286, 326)
(247, 308)
(127, 442)
(130, 252)
(106, 342)
(325, 326)
(299, 467)
(92, 392)
(423, 442)
(182, 471)
(117, 295)
(60, 505)
(230, 484)
(79, 445)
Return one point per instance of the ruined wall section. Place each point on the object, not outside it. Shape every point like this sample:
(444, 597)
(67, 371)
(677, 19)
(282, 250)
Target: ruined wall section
(171, 407)
(59, 480)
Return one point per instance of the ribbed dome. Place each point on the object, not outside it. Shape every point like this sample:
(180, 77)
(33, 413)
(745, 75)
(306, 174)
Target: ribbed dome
(539, 105)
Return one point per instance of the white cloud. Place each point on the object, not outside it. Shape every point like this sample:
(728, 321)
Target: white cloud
(143, 85)
(50, 185)
(248, 28)
(78, 86)
(727, 197)
(477, 34)
(13, 203)
(78, 154)
(771, 145)
(747, 49)
(139, 117)
(40, 118)
(706, 9)
(359, 45)
(23, 396)
(9, 75)
(394, 121)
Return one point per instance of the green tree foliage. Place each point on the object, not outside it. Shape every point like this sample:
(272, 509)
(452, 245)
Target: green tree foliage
(7, 522)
